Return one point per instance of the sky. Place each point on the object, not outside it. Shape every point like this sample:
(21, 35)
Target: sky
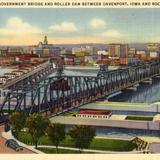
(64, 26)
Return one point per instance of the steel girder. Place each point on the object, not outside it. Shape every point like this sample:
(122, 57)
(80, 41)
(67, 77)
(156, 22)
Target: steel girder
(73, 91)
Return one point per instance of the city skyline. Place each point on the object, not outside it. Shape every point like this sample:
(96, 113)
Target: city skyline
(72, 26)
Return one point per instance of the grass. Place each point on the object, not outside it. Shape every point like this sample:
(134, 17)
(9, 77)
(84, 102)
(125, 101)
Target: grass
(97, 143)
(60, 151)
(156, 103)
(139, 118)
(112, 145)
(69, 114)
(123, 103)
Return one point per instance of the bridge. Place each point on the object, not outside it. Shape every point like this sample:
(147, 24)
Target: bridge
(35, 75)
(54, 95)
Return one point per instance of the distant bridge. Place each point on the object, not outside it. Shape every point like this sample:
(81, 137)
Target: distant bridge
(60, 93)
(35, 75)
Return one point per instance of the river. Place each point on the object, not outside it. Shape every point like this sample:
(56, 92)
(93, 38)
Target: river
(145, 93)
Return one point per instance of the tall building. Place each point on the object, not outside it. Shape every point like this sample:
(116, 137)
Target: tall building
(153, 47)
(153, 50)
(88, 50)
(124, 51)
(118, 50)
(131, 52)
(45, 40)
(45, 49)
(114, 50)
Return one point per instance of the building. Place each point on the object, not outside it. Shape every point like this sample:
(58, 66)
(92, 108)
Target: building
(142, 54)
(10, 75)
(153, 47)
(85, 55)
(131, 52)
(102, 52)
(68, 58)
(3, 79)
(3, 51)
(118, 50)
(18, 72)
(14, 51)
(94, 114)
(153, 50)
(7, 61)
(114, 50)
(124, 51)
(26, 57)
(84, 51)
(43, 49)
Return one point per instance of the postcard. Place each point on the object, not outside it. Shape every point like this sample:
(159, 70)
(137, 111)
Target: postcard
(79, 79)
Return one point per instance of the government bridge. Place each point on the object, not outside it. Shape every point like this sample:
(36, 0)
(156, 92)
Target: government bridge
(53, 95)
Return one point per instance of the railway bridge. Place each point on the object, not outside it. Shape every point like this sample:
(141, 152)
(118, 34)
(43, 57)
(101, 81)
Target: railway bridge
(54, 95)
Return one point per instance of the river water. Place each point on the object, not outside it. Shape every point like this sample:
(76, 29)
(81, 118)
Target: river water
(145, 93)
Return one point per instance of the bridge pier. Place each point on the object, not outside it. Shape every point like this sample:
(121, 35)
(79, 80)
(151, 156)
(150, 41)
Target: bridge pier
(132, 88)
(157, 77)
(148, 81)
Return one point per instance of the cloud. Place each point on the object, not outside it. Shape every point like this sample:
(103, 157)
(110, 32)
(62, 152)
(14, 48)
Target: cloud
(15, 26)
(16, 31)
(96, 23)
(112, 34)
(64, 27)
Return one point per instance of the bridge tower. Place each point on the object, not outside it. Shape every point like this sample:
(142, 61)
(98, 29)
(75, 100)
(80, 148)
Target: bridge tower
(103, 69)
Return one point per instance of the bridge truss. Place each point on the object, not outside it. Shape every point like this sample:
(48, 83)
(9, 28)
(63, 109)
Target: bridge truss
(60, 93)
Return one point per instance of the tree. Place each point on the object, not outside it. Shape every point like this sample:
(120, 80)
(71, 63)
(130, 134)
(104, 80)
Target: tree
(17, 121)
(82, 136)
(37, 125)
(56, 133)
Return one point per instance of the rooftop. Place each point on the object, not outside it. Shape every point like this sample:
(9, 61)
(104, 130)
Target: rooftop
(95, 112)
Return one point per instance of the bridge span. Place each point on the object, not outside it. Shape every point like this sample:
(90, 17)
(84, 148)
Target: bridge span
(35, 75)
(57, 94)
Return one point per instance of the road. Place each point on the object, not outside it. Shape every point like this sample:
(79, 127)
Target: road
(68, 120)
(92, 150)
(4, 149)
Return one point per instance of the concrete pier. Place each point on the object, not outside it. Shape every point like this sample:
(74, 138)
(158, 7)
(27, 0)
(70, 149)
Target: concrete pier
(148, 81)
(133, 88)
(157, 77)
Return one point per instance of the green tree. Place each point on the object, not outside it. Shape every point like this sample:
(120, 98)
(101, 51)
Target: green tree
(56, 133)
(17, 121)
(82, 136)
(37, 125)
